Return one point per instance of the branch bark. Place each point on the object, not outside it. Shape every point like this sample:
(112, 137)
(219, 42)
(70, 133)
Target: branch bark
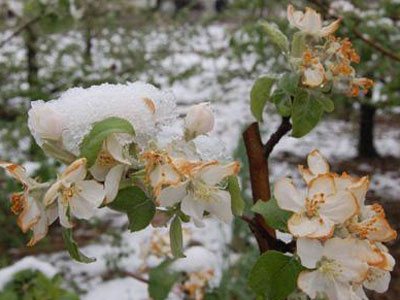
(283, 129)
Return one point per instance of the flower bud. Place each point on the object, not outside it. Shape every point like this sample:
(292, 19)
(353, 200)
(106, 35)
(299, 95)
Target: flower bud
(199, 120)
(45, 123)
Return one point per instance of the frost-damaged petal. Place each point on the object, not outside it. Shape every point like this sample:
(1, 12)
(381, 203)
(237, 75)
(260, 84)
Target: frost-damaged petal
(377, 280)
(293, 16)
(30, 214)
(330, 29)
(314, 77)
(311, 22)
(306, 174)
(300, 225)
(214, 174)
(339, 207)
(92, 192)
(359, 189)
(115, 148)
(62, 214)
(317, 163)
(75, 172)
(112, 182)
(220, 206)
(288, 196)
(172, 195)
(52, 193)
(323, 184)
(18, 172)
(41, 227)
(344, 181)
(163, 175)
(310, 252)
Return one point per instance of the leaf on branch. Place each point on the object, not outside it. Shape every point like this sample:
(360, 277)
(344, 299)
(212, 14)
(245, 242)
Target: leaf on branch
(282, 101)
(274, 275)
(326, 103)
(93, 142)
(275, 217)
(161, 280)
(259, 95)
(139, 208)
(306, 113)
(176, 238)
(289, 83)
(276, 36)
(73, 249)
(237, 202)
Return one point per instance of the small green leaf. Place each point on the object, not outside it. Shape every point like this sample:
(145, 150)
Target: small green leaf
(275, 217)
(289, 83)
(276, 36)
(326, 103)
(283, 102)
(73, 249)
(274, 275)
(259, 96)
(237, 201)
(298, 44)
(306, 113)
(139, 208)
(176, 238)
(92, 143)
(161, 280)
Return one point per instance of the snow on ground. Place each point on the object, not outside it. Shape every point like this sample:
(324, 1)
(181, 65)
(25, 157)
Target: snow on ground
(135, 253)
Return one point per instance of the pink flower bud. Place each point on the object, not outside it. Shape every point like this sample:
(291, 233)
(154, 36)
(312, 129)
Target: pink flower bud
(198, 121)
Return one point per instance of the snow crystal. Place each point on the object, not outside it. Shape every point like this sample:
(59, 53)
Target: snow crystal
(80, 108)
(27, 263)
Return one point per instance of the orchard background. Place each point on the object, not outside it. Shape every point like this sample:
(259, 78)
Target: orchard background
(203, 51)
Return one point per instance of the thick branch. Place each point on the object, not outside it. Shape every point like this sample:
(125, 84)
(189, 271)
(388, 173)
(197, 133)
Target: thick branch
(284, 128)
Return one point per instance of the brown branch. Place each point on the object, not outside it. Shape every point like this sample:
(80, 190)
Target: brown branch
(259, 178)
(121, 273)
(283, 128)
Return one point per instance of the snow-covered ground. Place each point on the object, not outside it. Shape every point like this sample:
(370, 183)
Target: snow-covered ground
(336, 140)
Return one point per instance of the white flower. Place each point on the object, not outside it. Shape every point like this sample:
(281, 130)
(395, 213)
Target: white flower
(110, 166)
(336, 264)
(310, 22)
(316, 212)
(76, 196)
(28, 204)
(45, 123)
(314, 75)
(198, 121)
(200, 191)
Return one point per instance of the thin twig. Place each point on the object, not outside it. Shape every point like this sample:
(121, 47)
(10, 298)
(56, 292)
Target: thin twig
(283, 128)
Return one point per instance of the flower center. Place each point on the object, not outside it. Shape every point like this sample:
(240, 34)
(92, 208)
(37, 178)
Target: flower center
(69, 192)
(313, 205)
(105, 159)
(330, 268)
(204, 191)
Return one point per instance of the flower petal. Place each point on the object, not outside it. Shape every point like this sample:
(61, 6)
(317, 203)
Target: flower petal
(339, 207)
(323, 184)
(300, 225)
(99, 172)
(330, 29)
(62, 214)
(377, 280)
(288, 196)
(312, 283)
(317, 164)
(162, 175)
(314, 76)
(214, 174)
(30, 215)
(75, 172)
(310, 252)
(311, 22)
(359, 190)
(115, 148)
(192, 207)
(111, 184)
(81, 208)
(306, 174)
(293, 16)
(92, 191)
(52, 193)
(172, 195)
(220, 206)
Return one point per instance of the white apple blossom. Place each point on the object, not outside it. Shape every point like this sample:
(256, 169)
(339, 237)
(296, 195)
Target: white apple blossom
(111, 165)
(318, 209)
(33, 215)
(75, 196)
(198, 121)
(200, 191)
(335, 264)
(45, 123)
(310, 22)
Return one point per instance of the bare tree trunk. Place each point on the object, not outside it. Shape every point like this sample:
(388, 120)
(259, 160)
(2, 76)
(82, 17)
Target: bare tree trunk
(88, 42)
(366, 147)
(31, 57)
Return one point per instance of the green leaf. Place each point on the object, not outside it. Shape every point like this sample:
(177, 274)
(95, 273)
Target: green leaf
(306, 113)
(73, 249)
(259, 96)
(276, 36)
(326, 103)
(54, 150)
(283, 102)
(298, 44)
(237, 201)
(92, 143)
(289, 83)
(176, 238)
(139, 208)
(275, 217)
(161, 280)
(274, 275)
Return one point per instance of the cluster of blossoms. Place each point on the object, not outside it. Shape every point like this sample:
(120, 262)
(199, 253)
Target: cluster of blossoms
(142, 144)
(325, 60)
(339, 237)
